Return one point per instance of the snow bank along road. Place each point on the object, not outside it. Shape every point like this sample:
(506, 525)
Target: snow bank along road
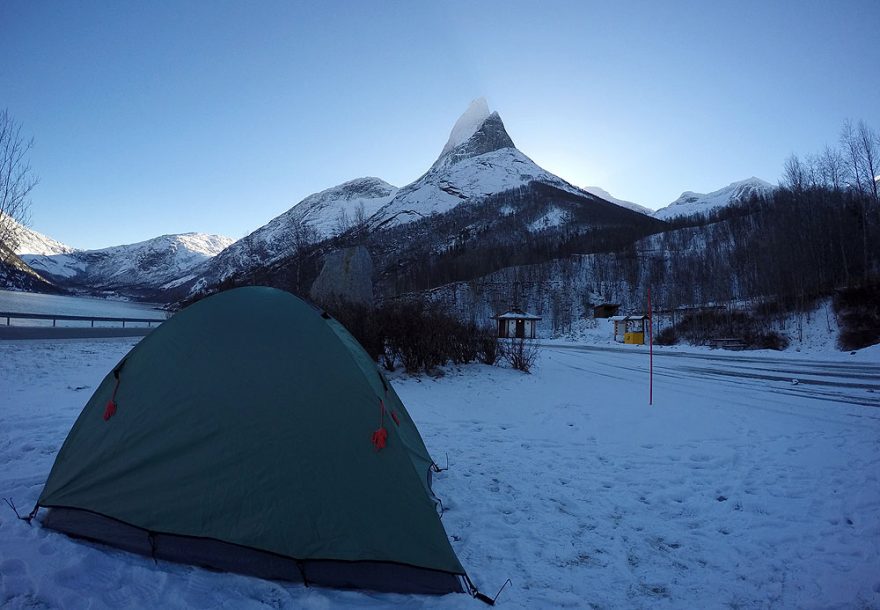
(737, 489)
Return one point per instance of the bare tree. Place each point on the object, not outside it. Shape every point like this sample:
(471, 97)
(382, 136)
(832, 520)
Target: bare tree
(868, 147)
(833, 168)
(360, 216)
(849, 141)
(860, 151)
(795, 174)
(813, 171)
(343, 223)
(16, 181)
(302, 235)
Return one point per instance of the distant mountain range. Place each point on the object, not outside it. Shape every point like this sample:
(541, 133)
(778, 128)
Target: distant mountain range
(478, 160)
(141, 268)
(481, 194)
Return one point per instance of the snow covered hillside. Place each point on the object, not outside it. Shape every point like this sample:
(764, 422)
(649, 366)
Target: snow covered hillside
(738, 488)
(698, 203)
(15, 274)
(603, 194)
(33, 243)
(153, 263)
(315, 218)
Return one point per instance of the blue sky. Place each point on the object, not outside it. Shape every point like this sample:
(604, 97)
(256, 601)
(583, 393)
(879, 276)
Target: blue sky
(169, 116)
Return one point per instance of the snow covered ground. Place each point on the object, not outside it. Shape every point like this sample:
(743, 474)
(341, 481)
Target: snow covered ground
(738, 488)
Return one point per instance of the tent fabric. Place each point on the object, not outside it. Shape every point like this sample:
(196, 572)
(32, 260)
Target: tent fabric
(246, 419)
(213, 554)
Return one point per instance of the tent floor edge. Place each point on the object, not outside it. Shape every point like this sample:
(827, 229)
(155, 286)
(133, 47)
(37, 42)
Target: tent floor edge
(380, 576)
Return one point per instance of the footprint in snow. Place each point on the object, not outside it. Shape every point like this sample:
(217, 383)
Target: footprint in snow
(12, 567)
(47, 549)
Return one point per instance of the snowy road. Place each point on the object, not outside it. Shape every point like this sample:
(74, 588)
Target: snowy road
(737, 489)
(840, 381)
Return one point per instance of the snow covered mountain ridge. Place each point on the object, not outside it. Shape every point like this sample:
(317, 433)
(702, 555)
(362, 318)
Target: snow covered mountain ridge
(603, 194)
(701, 203)
(317, 217)
(32, 242)
(152, 264)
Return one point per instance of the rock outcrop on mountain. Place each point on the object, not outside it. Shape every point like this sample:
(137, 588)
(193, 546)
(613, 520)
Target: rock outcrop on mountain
(347, 275)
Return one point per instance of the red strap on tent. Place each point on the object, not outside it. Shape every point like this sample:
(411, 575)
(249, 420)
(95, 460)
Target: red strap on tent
(380, 436)
(110, 409)
(394, 417)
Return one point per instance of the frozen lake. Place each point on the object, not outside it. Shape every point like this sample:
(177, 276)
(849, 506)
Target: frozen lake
(29, 302)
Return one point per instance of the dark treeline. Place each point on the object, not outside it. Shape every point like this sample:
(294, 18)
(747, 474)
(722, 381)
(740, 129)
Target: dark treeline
(791, 247)
(818, 233)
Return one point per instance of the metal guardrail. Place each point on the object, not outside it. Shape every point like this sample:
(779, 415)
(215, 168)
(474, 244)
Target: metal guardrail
(55, 317)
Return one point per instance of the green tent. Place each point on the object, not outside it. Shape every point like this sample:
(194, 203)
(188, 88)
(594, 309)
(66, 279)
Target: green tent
(241, 435)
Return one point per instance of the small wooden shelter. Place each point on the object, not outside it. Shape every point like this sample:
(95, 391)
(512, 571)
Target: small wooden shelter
(516, 323)
(605, 310)
(630, 329)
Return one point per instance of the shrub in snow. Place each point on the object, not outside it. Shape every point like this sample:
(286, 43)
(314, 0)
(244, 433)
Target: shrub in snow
(700, 328)
(520, 354)
(858, 310)
(487, 351)
(416, 335)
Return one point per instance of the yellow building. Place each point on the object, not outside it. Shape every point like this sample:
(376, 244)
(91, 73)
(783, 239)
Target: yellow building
(630, 329)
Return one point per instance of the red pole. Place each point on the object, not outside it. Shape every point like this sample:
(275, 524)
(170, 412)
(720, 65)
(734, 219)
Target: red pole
(650, 351)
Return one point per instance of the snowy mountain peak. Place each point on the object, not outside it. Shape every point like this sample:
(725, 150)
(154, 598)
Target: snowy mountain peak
(476, 133)
(467, 124)
(198, 243)
(690, 202)
(354, 189)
